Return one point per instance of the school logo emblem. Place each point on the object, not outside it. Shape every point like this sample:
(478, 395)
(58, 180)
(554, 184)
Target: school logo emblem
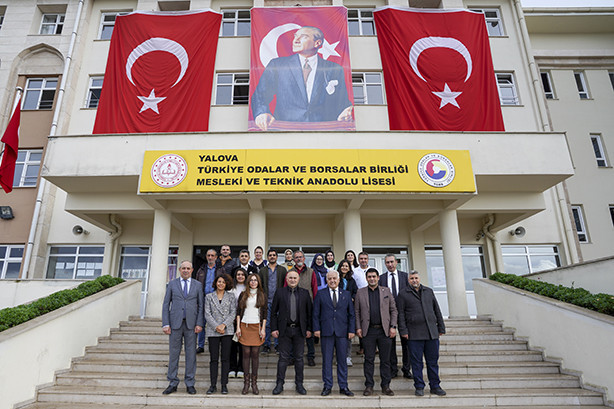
(169, 170)
(436, 170)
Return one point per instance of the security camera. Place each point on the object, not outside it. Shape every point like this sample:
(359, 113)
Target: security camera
(518, 232)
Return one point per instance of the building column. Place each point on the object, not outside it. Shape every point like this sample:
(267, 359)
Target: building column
(186, 247)
(352, 229)
(453, 263)
(418, 255)
(256, 232)
(158, 265)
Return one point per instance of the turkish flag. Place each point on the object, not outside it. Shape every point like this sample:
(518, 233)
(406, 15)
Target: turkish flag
(438, 70)
(11, 146)
(273, 31)
(159, 73)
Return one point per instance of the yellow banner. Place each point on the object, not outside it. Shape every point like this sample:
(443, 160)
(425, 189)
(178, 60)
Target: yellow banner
(307, 170)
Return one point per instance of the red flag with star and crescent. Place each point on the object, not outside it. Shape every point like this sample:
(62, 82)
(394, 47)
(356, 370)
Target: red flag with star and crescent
(438, 70)
(277, 86)
(159, 73)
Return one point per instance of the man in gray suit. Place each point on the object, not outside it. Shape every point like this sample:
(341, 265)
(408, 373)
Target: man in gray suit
(182, 319)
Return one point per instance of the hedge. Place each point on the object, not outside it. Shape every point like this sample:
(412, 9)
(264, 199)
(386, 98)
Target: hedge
(603, 303)
(12, 316)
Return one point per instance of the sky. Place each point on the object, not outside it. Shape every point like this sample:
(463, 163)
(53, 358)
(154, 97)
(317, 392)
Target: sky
(567, 3)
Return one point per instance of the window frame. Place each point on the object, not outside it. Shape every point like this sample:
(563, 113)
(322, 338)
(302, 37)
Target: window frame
(235, 100)
(104, 24)
(8, 259)
(581, 85)
(90, 92)
(611, 75)
(579, 222)
(531, 251)
(365, 86)
(58, 24)
(235, 22)
(361, 21)
(489, 20)
(2, 13)
(611, 207)
(41, 92)
(468, 252)
(20, 180)
(76, 254)
(512, 86)
(546, 79)
(598, 148)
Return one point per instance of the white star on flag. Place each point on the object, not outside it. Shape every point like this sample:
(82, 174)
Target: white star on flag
(328, 49)
(151, 102)
(447, 97)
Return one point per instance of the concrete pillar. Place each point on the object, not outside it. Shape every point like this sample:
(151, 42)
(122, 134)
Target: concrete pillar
(159, 260)
(186, 247)
(418, 256)
(352, 229)
(453, 262)
(256, 232)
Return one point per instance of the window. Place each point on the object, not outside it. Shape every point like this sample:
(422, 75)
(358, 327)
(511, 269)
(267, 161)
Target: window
(599, 151)
(578, 218)
(27, 165)
(75, 262)
(612, 213)
(610, 74)
(52, 24)
(521, 260)
(547, 84)
(473, 266)
(107, 23)
(2, 11)
(10, 261)
(368, 88)
(174, 5)
(93, 94)
(235, 23)
(232, 89)
(360, 22)
(40, 93)
(581, 84)
(493, 21)
(507, 89)
(135, 262)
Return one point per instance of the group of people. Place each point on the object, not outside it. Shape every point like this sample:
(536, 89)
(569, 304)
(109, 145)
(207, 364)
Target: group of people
(244, 305)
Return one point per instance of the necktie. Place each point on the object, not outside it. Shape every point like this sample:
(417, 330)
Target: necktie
(394, 285)
(306, 71)
(185, 288)
(335, 298)
(293, 305)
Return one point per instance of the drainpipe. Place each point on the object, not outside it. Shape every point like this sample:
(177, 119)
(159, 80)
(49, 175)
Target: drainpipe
(496, 246)
(113, 237)
(54, 126)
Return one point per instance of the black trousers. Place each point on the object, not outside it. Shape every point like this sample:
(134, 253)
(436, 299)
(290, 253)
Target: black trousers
(376, 337)
(291, 345)
(236, 357)
(215, 344)
(394, 366)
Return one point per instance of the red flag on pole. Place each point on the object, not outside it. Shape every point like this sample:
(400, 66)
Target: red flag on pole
(11, 146)
(159, 74)
(438, 70)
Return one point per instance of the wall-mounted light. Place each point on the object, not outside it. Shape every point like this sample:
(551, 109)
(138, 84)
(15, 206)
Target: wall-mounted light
(6, 212)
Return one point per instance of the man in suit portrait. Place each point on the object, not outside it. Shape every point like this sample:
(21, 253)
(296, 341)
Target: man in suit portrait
(291, 323)
(334, 323)
(206, 274)
(308, 87)
(397, 282)
(182, 319)
(376, 324)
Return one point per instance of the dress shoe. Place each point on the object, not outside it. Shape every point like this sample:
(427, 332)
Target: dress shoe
(346, 392)
(279, 388)
(419, 392)
(191, 390)
(438, 392)
(212, 389)
(394, 374)
(311, 362)
(368, 391)
(170, 389)
(200, 350)
(224, 390)
(387, 391)
(300, 389)
(407, 375)
(325, 391)
(266, 350)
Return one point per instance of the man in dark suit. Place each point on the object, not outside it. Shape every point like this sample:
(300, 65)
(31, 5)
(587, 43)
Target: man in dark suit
(334, 323)
(182, 319)
(421, 323)
(397, 282)
(376, 324)
(206, 274)
(308, 87)
(291, 323)
(273, 277)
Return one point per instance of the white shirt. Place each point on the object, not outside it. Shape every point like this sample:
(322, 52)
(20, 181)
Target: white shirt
(396, 280)
(183, 283)
(332, 292)
(313, 63)
(360, 277)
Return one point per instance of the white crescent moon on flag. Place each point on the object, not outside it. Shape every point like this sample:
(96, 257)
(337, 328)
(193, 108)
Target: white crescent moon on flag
(158, 44)
(438, 42)
(268, 46)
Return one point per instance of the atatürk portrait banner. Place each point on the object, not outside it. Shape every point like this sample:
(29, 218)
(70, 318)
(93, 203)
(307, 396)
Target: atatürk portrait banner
(300, 74)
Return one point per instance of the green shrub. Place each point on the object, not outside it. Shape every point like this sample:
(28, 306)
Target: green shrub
(10, 317)
(603, 303)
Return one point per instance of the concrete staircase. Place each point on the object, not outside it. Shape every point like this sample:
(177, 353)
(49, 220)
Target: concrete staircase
(481, 366)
